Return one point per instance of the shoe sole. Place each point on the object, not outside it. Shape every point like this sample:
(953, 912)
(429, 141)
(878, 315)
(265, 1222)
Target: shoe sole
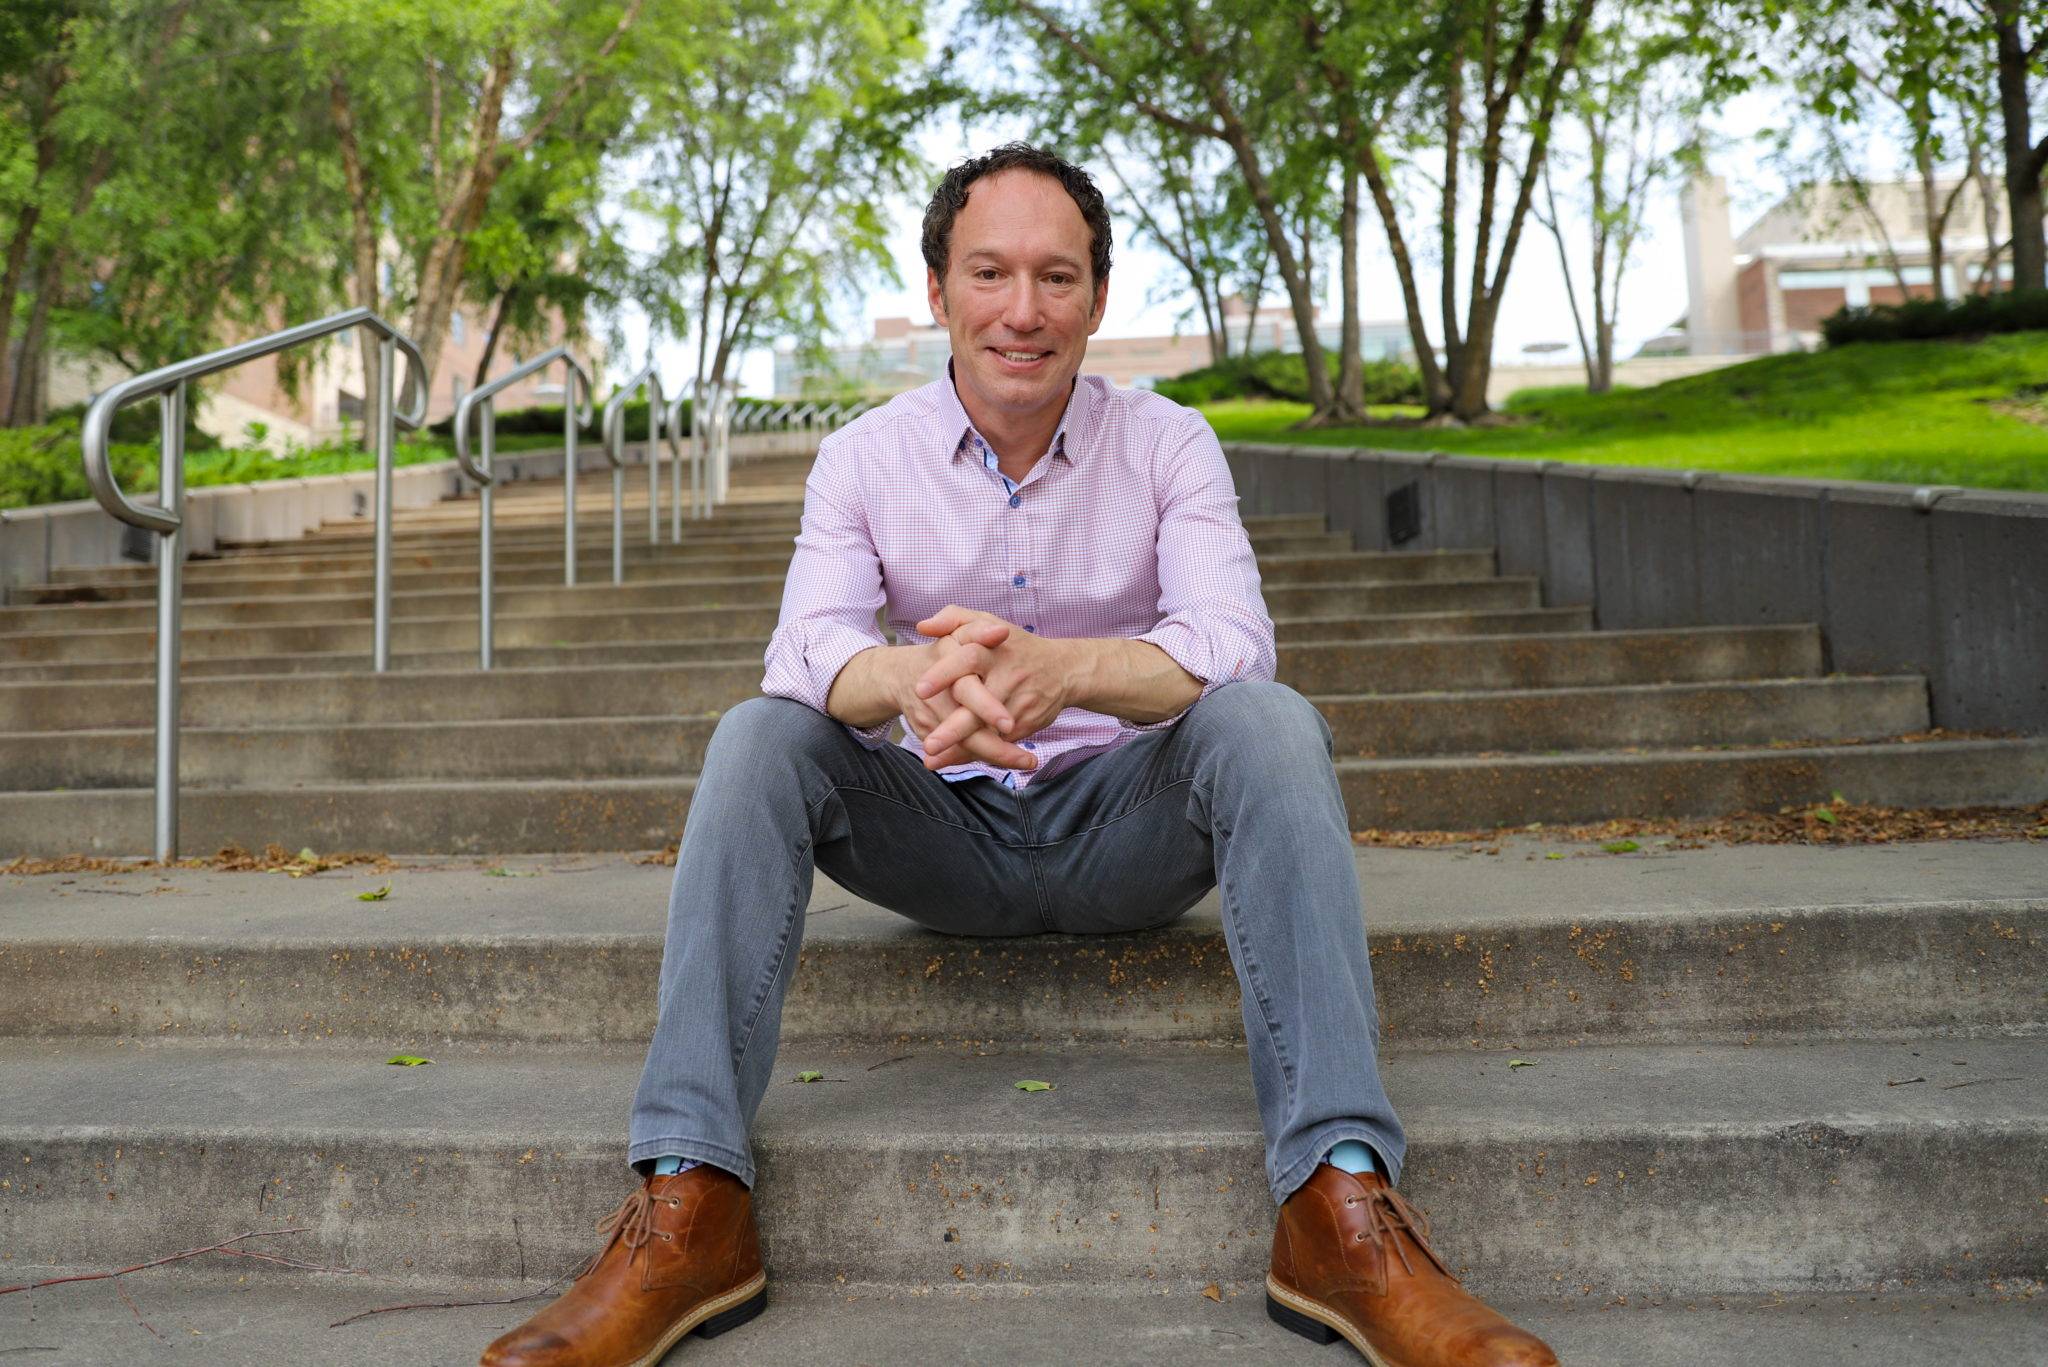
(728, 1310)
(1315, 1321)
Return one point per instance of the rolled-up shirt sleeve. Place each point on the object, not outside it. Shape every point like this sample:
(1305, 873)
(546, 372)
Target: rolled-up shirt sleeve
(1213, 619)
(832, 594)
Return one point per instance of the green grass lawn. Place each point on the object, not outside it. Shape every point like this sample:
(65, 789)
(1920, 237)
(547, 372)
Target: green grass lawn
(1972, 413)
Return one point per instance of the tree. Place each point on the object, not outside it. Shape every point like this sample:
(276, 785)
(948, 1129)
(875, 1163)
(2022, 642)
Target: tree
(1228, 75)
(76, 80)
(2018, 30)
(1351, 91)
(1631, 103)
(1892, 69)
(430, 106)
(781, 129)
(544, 257)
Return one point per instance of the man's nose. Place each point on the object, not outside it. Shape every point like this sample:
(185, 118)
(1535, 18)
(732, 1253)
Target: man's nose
(1021, 312)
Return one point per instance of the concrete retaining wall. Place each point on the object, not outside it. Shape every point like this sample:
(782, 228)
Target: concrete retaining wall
(1947, 583)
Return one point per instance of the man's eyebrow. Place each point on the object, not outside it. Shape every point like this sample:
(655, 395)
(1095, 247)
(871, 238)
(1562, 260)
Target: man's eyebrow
(1057, 259)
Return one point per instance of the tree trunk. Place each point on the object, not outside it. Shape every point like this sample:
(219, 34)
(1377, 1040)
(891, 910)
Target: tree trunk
(1350, 365)
(490, 352)
(1293, 273)
(24, 394)
(1258, 297)
(1436, 390)
(2022, 159)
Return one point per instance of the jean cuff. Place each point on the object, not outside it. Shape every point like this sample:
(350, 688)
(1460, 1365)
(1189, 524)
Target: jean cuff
(1318, 1144)
(733, 1161)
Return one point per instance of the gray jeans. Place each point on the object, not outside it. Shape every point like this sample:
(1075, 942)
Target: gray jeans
(1239, 793)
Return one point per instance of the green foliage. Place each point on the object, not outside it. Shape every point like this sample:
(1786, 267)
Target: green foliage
(545, 420)
(1941, 412)
(779, 132)
(1975, 315)
(1283, 375)
(43, 464)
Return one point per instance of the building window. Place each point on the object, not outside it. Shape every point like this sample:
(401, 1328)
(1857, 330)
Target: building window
(458, 331)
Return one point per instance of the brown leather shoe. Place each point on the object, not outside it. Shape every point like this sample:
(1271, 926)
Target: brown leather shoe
(1352, 1257)
(683, 1255)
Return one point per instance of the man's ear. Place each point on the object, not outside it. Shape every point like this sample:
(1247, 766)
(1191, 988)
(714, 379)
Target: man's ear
(935, 293)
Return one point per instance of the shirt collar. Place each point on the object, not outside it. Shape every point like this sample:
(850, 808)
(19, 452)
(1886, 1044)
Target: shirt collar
(1069, 439)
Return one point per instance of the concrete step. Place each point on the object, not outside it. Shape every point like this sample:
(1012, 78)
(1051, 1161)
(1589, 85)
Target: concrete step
(1456, 793)
(1377, 567)
(1402, 626)
(731, 608)
(1314, 580)
(541, 815)
(593, 558)
(353, 579)
(552, 682)
(1802, 1167)
(455, 522)
(207, 1318)
(644, 744)
(1509, 951)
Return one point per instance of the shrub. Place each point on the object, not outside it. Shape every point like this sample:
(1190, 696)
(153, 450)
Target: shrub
(545, 420)
(138, 423)
(1974, 315)
(44, 464)
(1284, 375)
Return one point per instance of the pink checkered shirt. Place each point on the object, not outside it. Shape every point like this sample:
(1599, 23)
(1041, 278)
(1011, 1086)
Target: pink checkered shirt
(1126, 527)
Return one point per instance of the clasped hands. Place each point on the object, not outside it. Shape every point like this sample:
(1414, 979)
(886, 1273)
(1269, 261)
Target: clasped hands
(988, 686)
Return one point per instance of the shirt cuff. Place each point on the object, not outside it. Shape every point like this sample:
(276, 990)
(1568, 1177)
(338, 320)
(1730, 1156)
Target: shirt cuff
(822, 650)
(1185, 647)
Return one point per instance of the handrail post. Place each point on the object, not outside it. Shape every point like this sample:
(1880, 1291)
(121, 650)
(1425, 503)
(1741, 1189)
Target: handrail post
(722, 437)
(653, 481)
(485, 449)
(170, 574)
(387, 440)
(619, 496)
(569, 479)
(674, 472)
(696, 447)
(612, 430)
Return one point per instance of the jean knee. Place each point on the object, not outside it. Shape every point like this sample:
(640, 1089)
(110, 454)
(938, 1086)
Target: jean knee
(770, 729)
(1270, 717)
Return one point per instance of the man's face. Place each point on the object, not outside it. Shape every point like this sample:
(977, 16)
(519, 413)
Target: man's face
(1019, 297)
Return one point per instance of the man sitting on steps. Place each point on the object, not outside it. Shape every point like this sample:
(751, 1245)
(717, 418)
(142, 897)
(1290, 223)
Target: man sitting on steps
(1094, 741)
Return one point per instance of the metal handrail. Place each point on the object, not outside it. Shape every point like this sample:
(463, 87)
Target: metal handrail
(481, 472)
(704, 492)
(614, 428)
(167, 518)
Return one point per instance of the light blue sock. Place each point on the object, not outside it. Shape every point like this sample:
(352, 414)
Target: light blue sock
(1352, 1155)
(669, 1164)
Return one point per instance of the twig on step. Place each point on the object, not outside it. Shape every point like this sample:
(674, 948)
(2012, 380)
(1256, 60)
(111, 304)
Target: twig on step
(153, 1262)
(453, 1305)
(138, 1314)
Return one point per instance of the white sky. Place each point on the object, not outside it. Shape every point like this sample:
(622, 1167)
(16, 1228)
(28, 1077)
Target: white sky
(1535, 310)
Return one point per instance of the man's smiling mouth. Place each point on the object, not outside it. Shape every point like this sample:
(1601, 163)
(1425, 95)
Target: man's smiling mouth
(1020, 356)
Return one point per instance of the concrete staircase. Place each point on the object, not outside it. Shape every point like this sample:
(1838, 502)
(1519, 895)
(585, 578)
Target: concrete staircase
(1778, 1103)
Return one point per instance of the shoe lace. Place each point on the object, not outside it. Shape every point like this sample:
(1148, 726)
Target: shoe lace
(632, 1222)
(1387, 1216)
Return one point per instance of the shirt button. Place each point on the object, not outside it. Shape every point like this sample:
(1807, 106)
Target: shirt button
(1016, 581)
(1029, 627)
(1014, 500)
(1030, 745)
